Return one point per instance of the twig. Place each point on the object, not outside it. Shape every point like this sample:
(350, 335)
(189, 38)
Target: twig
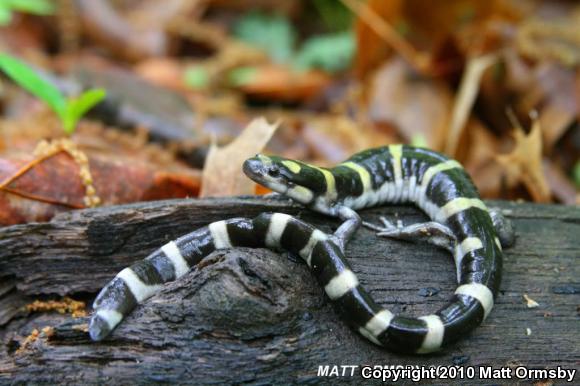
(382, 28)
(465, 98)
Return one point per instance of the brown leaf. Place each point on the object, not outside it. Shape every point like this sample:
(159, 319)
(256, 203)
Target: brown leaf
(417, 106)
(560, 101)
(524, 163)
(54, 185)
(478, 156)
(163, 72)
(417, 29)
(333, 138)
(548, 87)
(548, 40)
(562, 188)
(222, 175)
(281, 83)
(374, 32)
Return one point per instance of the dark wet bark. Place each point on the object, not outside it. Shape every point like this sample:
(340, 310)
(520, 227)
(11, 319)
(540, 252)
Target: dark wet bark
(258, 317)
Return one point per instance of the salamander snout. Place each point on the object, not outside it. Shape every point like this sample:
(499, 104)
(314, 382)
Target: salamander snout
(268, 172)
(254, 168)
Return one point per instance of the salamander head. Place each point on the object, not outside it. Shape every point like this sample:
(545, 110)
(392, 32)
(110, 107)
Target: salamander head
(288, 177)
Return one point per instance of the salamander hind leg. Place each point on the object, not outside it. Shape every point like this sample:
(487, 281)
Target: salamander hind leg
(503, 227)
(431, 232)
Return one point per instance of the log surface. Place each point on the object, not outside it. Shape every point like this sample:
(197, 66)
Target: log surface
(253, 316)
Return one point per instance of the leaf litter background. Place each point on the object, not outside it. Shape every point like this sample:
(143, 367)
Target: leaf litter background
(194, 87)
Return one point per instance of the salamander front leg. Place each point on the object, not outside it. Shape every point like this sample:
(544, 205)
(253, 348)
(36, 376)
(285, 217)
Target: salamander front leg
(346, 230)
(431, 232)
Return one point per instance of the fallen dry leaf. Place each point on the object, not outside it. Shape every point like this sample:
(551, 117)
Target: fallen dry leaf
(560, 185)
(54, 185)
(510, 82)
(418, 29)
(334, 138)
(543, 40)
(376, 36)
(222, 174)
(281, 83)
(524, 163)
(560, 101)
(417, 106)
(163, 72)
(482, 147)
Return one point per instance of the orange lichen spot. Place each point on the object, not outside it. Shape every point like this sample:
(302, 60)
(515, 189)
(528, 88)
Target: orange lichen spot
(64, 306)
(48, 331)
(28, 341)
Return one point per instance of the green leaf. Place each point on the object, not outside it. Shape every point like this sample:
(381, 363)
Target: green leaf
(197, 77)
(28, 79)
(272, 33)
(331, 52)
(242, 76)
(78, 107)
(5, 15)
(37, 7)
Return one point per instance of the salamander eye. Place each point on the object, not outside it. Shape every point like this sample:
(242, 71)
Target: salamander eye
(273, 171)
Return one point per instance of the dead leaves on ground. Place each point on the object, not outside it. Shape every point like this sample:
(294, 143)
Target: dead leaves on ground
(436, 74)
(418, 30)
(122, 167)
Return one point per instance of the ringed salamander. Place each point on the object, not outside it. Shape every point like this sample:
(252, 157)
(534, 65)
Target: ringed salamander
(436, 184)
